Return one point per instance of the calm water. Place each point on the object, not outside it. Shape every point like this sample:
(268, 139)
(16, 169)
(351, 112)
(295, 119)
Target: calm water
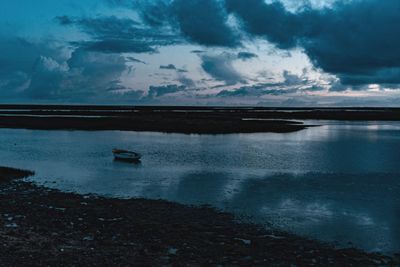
(338, 182)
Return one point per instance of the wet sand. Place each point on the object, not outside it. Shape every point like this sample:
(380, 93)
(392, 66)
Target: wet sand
(40, 227)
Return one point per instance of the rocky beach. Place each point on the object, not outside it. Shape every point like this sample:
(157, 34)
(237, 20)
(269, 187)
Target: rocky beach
(46, 227)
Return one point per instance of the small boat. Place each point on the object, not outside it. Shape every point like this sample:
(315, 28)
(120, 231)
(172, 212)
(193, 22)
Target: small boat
(125, 155)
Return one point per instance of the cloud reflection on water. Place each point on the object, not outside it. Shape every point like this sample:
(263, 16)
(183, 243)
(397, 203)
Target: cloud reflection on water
(338, 182)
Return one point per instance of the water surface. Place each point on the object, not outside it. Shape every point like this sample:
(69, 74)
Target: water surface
(338, 182)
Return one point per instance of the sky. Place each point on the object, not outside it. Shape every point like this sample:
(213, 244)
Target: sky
(201, 52)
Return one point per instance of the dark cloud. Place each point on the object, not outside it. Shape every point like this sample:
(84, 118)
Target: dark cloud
(133, 59)
(42, 71)
(118, 35)
(246, 56)
(202, 22)
(122, 93)
(243, 91)
(110, 27)
(46, 80)
(156, 13)
(220, 68)
(127, 3)
(168, 67)
(19, 54)
(197, 51)
(293, 79)
(84, 75)
(187, 82)
(291, 84)
(17, 61)
(359, 41)
(255, 91)
(383, 76)
(116, 46)
(158, 91)
(12, 83)
(272, 21)
(64, 20)
(337, 86)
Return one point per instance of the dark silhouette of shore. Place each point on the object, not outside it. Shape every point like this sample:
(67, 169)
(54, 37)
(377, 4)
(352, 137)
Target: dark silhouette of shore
(141, 119)
(201, 120)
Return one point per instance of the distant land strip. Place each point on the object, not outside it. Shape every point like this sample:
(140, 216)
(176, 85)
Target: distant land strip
(329, 113)
(175, 119)
(150, 123)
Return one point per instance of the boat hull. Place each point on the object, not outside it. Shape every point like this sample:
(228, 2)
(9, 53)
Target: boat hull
(127, 156)
(129, 160)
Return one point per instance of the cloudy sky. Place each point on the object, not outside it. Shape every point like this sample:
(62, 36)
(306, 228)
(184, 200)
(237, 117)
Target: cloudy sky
(201, 52)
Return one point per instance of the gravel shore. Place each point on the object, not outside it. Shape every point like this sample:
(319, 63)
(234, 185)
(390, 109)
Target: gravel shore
(45, 227)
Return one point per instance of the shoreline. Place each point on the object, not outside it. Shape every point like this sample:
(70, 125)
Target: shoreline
(151, 123)
(186, 120)
(42, 226)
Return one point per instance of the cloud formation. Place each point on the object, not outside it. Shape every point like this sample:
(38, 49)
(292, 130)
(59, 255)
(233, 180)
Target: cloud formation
(168, 67)
(291, 84)
(44, 72)
(85, 74)
(158, 91)
(199, 21)
(17, 63)
(204, 22)
(209, 45)
(246, 56)
(135, 60)
(119, 35)
(220, 68)
(335, 36)
(356, 40)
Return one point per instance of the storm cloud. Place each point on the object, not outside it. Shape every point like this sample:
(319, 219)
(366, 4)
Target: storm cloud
(19, 60)
(85, 74)
(204, 22)
(199, 21)
(45, 72)
(359, 41)
(245, 48)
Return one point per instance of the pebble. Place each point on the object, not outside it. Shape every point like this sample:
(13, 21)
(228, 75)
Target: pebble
(245, 241)
(172, 251)
(11, 225)
(88, 238)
